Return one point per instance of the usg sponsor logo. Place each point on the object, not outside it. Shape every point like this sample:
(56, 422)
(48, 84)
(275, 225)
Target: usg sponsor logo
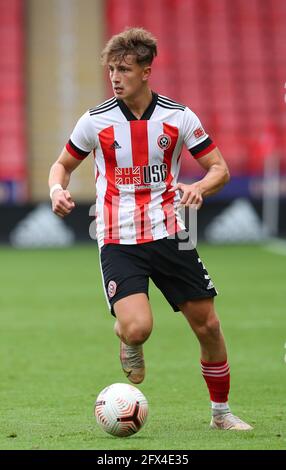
(139, 175)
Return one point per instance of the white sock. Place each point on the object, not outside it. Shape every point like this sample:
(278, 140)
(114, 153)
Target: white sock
(219, 408)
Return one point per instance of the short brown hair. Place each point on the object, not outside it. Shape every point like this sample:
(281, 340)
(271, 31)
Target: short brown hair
(133, 41)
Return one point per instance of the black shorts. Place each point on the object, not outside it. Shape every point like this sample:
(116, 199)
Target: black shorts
(179, 274)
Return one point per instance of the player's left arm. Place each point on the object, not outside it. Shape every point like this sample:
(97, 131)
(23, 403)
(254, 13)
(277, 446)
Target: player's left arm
(216, 177)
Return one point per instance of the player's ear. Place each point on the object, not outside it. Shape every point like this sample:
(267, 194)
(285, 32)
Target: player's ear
(146, 73)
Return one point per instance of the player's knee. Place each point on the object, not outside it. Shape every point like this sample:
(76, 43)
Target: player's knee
(209, 329)
(136, 333)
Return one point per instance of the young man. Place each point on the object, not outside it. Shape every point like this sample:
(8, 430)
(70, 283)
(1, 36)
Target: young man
(136, 138)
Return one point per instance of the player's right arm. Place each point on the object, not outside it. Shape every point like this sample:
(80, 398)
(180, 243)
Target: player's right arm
(62, 203)
(80, 144)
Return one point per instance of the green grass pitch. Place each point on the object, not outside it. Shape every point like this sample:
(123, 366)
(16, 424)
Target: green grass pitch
(58, 351)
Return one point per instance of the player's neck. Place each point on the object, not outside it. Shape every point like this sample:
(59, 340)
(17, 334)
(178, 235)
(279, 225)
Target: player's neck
(139, 103)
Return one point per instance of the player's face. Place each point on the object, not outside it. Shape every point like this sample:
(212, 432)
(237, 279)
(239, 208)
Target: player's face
(127, 77)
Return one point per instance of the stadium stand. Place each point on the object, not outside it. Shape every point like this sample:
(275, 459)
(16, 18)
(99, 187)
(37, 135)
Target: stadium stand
(226, 61)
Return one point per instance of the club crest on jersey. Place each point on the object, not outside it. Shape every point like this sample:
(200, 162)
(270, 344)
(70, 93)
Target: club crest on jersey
(199, 132)
(111, 289)
(164, 141)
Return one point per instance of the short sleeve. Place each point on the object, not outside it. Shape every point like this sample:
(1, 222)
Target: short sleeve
(83, 139)
(195, 138)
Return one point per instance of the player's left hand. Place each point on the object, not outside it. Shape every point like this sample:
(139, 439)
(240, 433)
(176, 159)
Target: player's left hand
(192, 195)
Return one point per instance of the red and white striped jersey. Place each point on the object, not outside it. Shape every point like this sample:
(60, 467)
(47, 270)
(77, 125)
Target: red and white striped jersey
(136, 163)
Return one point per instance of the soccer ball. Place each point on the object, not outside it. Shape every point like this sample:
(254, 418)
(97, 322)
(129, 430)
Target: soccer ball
(121, 409)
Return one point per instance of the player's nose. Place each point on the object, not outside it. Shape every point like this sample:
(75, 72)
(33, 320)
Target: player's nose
(115, 77)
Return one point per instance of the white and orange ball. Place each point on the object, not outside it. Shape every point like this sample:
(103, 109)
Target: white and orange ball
(121, 409)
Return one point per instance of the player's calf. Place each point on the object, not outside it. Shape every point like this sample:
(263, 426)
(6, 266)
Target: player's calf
(132, 361)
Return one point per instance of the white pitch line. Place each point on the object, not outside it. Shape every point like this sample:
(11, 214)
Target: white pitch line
(276, 246)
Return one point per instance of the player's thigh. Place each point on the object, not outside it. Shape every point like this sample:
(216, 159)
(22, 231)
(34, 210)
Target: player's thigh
(134, 311)
(180, 274)
(125, 272)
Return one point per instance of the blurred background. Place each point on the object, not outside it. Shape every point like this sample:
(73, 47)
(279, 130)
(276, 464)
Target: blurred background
(224, 59)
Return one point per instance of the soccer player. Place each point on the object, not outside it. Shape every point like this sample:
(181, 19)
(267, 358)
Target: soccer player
(136, 138)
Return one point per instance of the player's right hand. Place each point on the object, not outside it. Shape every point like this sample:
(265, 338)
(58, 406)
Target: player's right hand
(62, 202)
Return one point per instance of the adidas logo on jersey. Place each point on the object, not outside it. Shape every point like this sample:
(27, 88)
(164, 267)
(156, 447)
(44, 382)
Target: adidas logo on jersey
(115, 145)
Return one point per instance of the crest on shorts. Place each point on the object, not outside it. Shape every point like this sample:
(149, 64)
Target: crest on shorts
(111, 289)
(164, 141)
